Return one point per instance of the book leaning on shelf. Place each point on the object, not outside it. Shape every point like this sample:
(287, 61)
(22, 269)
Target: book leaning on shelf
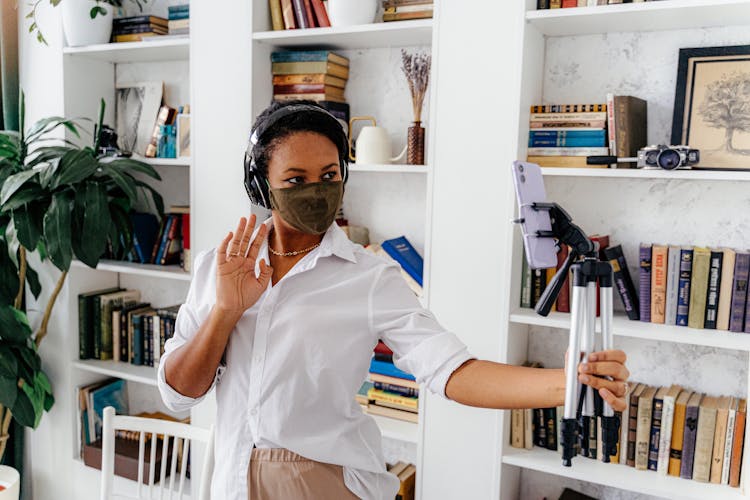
(402, 10)
(298, 14)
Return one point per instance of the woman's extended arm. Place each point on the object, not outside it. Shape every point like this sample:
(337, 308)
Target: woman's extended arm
(487, 384)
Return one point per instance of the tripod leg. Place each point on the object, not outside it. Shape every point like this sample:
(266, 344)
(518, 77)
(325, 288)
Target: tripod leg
(610, 422)
(569, 433)
(587, 347)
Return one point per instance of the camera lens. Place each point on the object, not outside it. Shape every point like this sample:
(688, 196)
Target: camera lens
(668, 159)
(651, 157)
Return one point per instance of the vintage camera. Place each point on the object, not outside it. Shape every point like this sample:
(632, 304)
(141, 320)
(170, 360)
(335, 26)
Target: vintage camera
(667, 157)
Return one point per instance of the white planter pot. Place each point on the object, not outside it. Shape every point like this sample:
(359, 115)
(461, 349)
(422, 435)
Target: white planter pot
(78, 26)
(11, 480)
(351, 12)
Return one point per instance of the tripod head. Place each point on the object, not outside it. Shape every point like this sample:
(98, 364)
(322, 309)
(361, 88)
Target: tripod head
(566, 233)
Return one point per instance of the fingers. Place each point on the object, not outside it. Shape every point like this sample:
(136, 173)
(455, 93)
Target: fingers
(617, 403)
(234, 246)
(222, 251)
(616, 387)
(612, 369)
(247, 234)
(260, 236)
(611, 355)
(266, 272)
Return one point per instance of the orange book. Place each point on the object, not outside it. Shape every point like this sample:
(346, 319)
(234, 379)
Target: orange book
(737, 444)
(678, 425)
(658, 282)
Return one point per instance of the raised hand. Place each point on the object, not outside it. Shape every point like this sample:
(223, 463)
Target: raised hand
(237, 286)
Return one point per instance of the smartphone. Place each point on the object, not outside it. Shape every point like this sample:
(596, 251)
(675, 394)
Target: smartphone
(541, 252)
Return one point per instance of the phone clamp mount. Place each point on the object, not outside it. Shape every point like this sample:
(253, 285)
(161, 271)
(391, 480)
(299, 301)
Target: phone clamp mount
(583, 405)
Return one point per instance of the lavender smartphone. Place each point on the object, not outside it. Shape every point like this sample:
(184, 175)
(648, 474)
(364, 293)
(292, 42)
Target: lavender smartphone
(541, 253)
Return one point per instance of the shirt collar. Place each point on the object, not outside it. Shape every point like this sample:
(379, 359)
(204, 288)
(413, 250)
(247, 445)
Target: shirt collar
(335, 242)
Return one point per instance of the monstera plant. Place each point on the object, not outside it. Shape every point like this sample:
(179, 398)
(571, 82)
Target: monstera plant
(63, 202)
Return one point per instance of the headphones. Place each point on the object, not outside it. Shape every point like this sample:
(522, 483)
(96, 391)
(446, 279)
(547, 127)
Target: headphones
(256, 184)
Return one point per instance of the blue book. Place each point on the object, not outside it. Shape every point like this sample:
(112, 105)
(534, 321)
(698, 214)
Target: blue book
(305, 56)
(683, 286)
(404, 253)
(114, 394)
(164, 238)
(388, 369)
(137, 346)
(179, 8)
(176, 16)
(558, 134)
(568, 142)
(145, 230)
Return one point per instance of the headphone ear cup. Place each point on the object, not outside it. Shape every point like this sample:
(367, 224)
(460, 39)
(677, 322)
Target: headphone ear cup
(256, 191)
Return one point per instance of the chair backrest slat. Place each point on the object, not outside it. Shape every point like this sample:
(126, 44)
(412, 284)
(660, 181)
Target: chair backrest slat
(183, 468)
(173, 466)
(164, 454)
(152, 466)
(141, 459)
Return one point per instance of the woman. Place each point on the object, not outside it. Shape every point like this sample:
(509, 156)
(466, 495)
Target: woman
(291, 341)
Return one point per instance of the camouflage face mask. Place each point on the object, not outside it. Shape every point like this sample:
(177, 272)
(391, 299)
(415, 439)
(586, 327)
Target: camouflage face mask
(309, 208)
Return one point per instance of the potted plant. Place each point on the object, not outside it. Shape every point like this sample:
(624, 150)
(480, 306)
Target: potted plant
(85, 22)
(61, 201)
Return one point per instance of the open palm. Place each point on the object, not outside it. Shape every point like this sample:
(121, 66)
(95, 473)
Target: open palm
(237, 286)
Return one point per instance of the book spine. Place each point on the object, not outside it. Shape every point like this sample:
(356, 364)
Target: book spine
(96, 323)
(555, 4)
(728, 440)
(643, 432)
(568, 108)
(565, 117)
(688, 442)
(624, 424)
(704, 440)
(84, 347)
(658, 283)
(309, 14)
(699, 288)
(388, 369)
(717, 450)
(541, 428)
(623, 281)
(542, 4)
(566, 142)
(550, 418)
(725, 291)
(611, 133)
(645, 282)
(137, 339)
(124, 338)
(539, 283)
(675, 447)
(287, 13)
(737, 446)
(739, 292)
(516, 428)
(299, 14)
(683, 286)
(569, 134)
(570, 125)
(673, 283)
(632, 430)
(408, 392)
(528, 428)
(321, 16)
(277, 21)
(655, 438)
(712, 295)
(665, 438)
(550, 151)
(164, 239)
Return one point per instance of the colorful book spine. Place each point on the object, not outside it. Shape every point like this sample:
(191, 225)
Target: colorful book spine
(658, 283)
(688, 439)
(645, 282)
(728, 440)
(665, 435)
(409, 392)
(655, 438)
(673, 284)
(568, 108)
(566, 142)
(550, 419)
(704, 439)
(526, 282)
(738, 444)
(699, 287)
(623, 281)
(683, 288)
(633, 425)
(725, 291)
(643, 430)
(388, 369)
(739, 291)
(714, 283)
(678, 433)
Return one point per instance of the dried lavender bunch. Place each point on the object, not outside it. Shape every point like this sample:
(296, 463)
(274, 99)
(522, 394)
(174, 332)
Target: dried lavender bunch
(416, 67)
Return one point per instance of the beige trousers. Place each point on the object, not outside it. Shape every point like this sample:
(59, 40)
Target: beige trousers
(279, 474)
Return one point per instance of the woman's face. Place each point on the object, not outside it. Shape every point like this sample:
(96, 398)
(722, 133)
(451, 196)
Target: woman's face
(301, 158)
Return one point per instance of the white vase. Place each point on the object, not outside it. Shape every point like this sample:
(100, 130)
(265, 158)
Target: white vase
(351, 12)
(11, 480)
(78, 26)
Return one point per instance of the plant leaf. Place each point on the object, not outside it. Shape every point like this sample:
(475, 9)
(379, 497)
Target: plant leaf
(155, 196)
(31, 406)
(91, 202)
(29, 192)
(14, 326)
(28, 232)
(13, 183)
(8, 391)
(49, 400)
(97, 10)
(8, 364)
(8, 276)
(121, 230)
(32, 280)
(75, 166)
(136, 166)
(123, 180)
(57, 231)
(48, 124)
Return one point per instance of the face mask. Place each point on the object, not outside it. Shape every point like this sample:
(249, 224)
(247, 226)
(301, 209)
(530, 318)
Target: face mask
(309, 208)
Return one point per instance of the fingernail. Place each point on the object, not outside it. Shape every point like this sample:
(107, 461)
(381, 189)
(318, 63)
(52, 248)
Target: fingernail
(592, 357)
(584, 367)
(584, 379)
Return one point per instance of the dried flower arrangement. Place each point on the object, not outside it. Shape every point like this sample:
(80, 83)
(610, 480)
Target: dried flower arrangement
(416, 67)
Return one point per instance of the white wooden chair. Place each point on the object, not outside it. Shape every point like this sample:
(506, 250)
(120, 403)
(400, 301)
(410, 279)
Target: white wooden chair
(165, 487)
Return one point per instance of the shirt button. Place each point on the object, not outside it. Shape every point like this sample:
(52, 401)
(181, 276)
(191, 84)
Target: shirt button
(254, 411)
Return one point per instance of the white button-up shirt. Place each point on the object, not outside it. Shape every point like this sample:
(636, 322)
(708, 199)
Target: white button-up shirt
(296, 359)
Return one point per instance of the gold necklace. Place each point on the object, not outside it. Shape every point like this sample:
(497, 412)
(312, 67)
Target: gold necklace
(292, 254)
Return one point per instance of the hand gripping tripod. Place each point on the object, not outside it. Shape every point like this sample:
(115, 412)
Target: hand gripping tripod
(582, 403)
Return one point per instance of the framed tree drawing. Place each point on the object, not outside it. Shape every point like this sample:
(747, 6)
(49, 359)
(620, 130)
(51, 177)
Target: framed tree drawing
(712, 105)
(136, 107)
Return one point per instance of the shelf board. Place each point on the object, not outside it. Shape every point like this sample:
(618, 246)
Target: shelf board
(639, 173)
(618, 476)
(174, 272)
(126, 371)
(166, 49)
(391, 34)
(393, 428)
(389, 168)
(624, 327)
(643, 16)
(183, 161)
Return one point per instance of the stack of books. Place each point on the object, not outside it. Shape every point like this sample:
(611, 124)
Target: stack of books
(317, 75)
(402, 10)
(401, 251)
(389, 392)
(179, 19)
(564, 4)
(407, 474)
(164, 242)
(564, 135)
(670, 430)
(298, 14)
(113, 324)
(138, 28)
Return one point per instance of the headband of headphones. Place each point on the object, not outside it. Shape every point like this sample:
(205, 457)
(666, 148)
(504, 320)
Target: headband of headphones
(256, 184)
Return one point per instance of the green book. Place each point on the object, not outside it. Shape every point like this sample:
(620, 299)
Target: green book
(699, 287)
(86, 322)
(103, 331)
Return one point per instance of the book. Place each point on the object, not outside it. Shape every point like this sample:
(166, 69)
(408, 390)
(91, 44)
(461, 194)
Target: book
(683, 288)
(124, 21)
(86, 321)
(699, 287)
(318, 96)
(540, 428)
(669, 399)
(408, 479)
(403, 16)
(688, 437)
(361, 396)
(134, 37)
(678, 432)
(569, 133)
(389, 397)
(704, 438)
(655, 434)
(565, 142)
(126, 458)
(377, 249)
(165, 116)
(658, 282)
(309, 13)
(567, 117)
(719, 438)
(140, 28)
(385, 379)
(389, 369)
(404, 253)
(113, 393)
(300, 16)
(739, 291)
(673, 284)
(145, 229)
(321, 16)
(104, 330)
(738, 443)
(550, 421)
(712, 294)
(538, 284)
(528, 428)
(171, 252)
(287, 14)
(623, 282)
(568, 108)
(645, 282)
(309, 56)
(632, 423)
(308, 67)
(627, 126)
(516, 428)
(728, 440)
(163, 241)
(561, 161)
(393, 413)
(725, 290)
(320, 78)
(643, 428)
(309, 88)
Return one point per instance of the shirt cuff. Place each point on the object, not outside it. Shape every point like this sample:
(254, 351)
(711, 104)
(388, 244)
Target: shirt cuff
(174, 400)
(440, 380)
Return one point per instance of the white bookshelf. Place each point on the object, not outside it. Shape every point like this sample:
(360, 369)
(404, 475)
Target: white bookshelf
(563, 57)
(171, 272)
(164, 49)
(400, 430)
(389, 168)
(133, 373)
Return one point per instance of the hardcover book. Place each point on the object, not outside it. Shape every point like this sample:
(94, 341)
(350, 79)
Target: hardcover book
(673, 284)
(309, 55)
(656, 418)
(738, 443)
(699, 287)
(704, 438)
(683, 288)
(623, 282)
(658, 282)
(725, 290)
(728, 440)
(628, 126)
(632, 423)
(714, 283)
(678, 433)
(643, 429)
(307, 67)
(739, 291)
(405, 254)
(665, 435)
(719, 439)
(645, 282)
(688, 436)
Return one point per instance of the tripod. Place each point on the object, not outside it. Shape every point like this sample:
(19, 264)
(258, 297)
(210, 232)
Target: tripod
(582, 403)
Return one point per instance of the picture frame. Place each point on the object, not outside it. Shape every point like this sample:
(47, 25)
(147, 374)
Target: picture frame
(712, 105)
(136, 107)
(182, 124)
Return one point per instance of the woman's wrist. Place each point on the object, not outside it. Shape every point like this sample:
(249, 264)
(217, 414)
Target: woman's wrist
(225, 318)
